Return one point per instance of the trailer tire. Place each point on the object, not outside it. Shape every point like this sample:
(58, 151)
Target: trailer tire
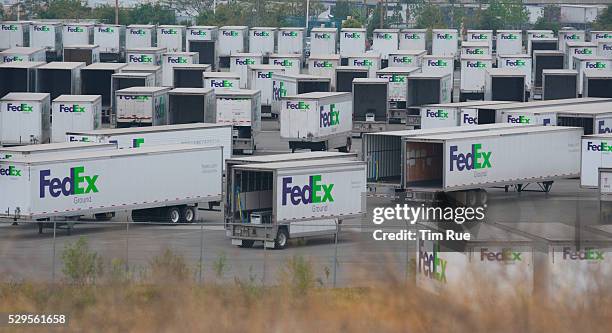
(247, 243)
(188, 214)
(282, 238)
(173, 214)
(104, 216)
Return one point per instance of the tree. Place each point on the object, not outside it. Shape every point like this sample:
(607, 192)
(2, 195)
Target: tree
(504, 14)
(193, 8)
(604, 20)
(430, 17)
(106, 13)
(64, 9)
(550, 19)
(149, 13)
(352, 23)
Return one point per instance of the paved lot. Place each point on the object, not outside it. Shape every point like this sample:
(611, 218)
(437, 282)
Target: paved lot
(24, 254)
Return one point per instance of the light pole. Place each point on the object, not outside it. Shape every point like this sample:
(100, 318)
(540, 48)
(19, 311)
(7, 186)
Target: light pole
(307, 13)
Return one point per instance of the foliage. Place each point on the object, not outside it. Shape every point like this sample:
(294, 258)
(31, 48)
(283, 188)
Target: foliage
(604, 20)
(75, 9)
(506, 14)
(169, 268)
(352, 23)
(298, 275)
(81, 264)
(550, 19)
(430, 17)
(106, 13)
(220, 265)
(149, 13)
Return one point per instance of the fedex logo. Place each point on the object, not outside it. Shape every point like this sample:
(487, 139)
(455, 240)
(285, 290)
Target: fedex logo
(314, 192)
(322, 64)
(74, 29)
(402, 60)
(583, 51)
(606, 47)
(137, 142)
(140, 58)
(475, 64)
(133, 97)
(12, 59)
(504, 255)
(437, 63)
(479, 36)
(176, 60)
(76, 183)
(571, 37)
(586, 254)
(602, 128)
(197, 33)
(278, 91)
(474, 51)
(245, 62)
(441, 114)
(221, 84)
(322, 36)
(261, 34)
(362, 63)
(23, 107)
(515, 63)
(71, 108)
(137, 32)
(469, 120)
(8, 27)
(412, 36)
(230, 33)
(384, 36)
(168, 31)
(397, 78)
(595, 65)
(352, 35)
(289, 34)
(262, 75)
(283, 62)
(106, 30)
(42, 28)
(602, 147)
(81, 139)
(446, 36)
(11, 171)
(508, 36)
(430, 264)
(518, 120)
(603, 36)
(329, 118)
(297, 106)
(473, 160)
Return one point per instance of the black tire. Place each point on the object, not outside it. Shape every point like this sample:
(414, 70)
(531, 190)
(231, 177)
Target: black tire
(104, 216)
(282, 238)
(173, 215)
(188, 214)
(247, 243)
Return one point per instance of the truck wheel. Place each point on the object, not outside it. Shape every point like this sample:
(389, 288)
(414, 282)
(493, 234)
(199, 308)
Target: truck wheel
(281, 239)
(173, 215)
(188, 214)
(247, 243)
(104, 216)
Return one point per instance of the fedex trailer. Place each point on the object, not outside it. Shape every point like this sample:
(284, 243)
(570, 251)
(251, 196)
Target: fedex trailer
(519, 62)
(559, 84)
(413, 39)
(588, 62)
(60, 78)
(407, 58)
(242, 109)
(574, 49)
(171, 37)
(323, 41)
(77, 34)
(232, 39)
(99, 189)
(139, 36)
(290, 40)
(260, 78)
(600, 36)
(469, 49)
(597, 83)
(240, 63)
(371, 61)
(125, 80)
(273, 211)
(505, 84)
(262, 40)
(145, 56)
(291, 62)
(18, 76)
(596, 153)
(604, 49)
(444, 42)
(317, 121)
(473, 69)
(221, 80)
(428, 88)
(21, 54)
(398, 86)
(546, 60)
(294, 84)
(205, 41)
(570, 35)
(111, 39)
(439, 64)
(14, 34)
(485, 36)
(172, 59)
(47, 35)
(509, 42)
(88, 54)
(25, 119)
(29, 151)
(352, 41)
(75, 113)
(538, 34)
(345, 76)
(455, 114)
(324, 65)
(385, 41)
(191, 105)
(370, 107)
(142, 106)
(189, 75)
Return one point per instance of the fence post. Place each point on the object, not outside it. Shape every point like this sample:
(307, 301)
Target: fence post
(201, 252)
(263, 279)
(127, 247)
(336, 253)
(53, 260)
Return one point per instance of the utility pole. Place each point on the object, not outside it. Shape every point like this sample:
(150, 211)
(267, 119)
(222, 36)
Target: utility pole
(116, 11)
(382, 17)
(307, 14)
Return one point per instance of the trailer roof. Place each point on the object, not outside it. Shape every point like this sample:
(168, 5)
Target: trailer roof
(105, 66)
(598, 136)
(553, 102)
(305, 77)
(386, 30)
(365, 55)
(141, 26)
(77, 98)
(408, 52)
(597, 74)
(352, 68)
(246, 54)
(285, 55)
(263, 28)
(506, 71)
(585, 57)
(413, 30)
(474, 44)
(476, 128)
(170, 26)
(522, 55)
(81, 46)
(556, 232)
(500, 132)
(233, 27)
(19, 96)
(146, 49)
(545, 39)
(133, 74)
(291, 28)
(142, 90)
(508, 30)
(428, 75)
(463, 104)
(592, 108)
(318, 94)
(324, 57)
(211, 27)
(140, 68)
(63, 65)
(368, 80)
(476, 57)
(179, 53)
(300, 164)
(236, 93)
(21, 49)
(258, 67)
(191, 66)
(191, 91)
(221, 74)
(290, 157)
(323, 29)
(579, 44)
(547, 52)
(22, 64)
(146, 129)
(54, 146)
(79, 155)
(559, 72)
(353, 29)
(454, 30)
(403, 70)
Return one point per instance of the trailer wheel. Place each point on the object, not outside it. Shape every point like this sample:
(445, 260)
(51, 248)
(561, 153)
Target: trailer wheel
(173, 214)
(247, 243)
(104, 216)
(282, 237)
(188, 214)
